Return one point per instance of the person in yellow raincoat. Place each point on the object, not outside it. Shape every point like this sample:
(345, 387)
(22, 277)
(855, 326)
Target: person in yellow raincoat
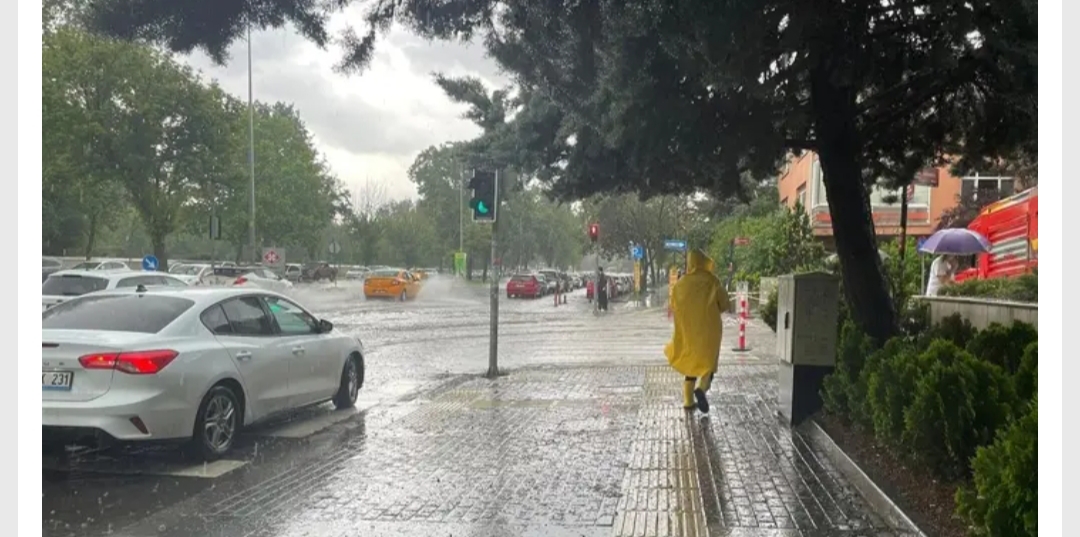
(697, 300)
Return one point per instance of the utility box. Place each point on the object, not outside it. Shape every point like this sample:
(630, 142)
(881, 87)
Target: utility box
(806, 317)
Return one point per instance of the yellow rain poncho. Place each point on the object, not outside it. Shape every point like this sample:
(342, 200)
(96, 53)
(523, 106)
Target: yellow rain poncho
(697, 301)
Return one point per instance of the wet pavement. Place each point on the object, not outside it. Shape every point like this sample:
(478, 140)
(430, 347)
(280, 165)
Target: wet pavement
(584, 435)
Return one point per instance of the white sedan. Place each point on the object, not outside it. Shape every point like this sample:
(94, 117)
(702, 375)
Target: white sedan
(264, 279)
(193, 363)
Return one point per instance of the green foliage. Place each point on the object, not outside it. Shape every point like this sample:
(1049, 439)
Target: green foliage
(890, 378)
(1027, 376)
(1004, 498)
(953, 328)
(959, 403)
(770, 308)
(840, 391)
(903, 276)
(1001, 346)
(781, 242)
(1023, 288)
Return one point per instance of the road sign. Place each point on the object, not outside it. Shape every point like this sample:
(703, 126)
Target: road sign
(273, 257)
(673, 244)
(637, 252)
(335, 247)
(149, 263)
(742, 241)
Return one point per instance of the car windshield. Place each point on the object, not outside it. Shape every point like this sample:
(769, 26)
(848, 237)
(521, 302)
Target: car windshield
(147, 314)
(72, 285)
(86, 265)
(188, 269)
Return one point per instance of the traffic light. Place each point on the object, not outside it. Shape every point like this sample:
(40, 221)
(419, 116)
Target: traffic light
(594, 231)
(485, 197)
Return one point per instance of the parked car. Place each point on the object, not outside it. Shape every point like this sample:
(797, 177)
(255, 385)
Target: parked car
(64, 285)
(193, 273)
(294, 272)
(103, 264)
(524, 285)
(196, 364)
(49, 265)
(264, 279)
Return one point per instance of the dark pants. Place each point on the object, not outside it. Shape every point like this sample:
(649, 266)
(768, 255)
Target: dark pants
(601, 297)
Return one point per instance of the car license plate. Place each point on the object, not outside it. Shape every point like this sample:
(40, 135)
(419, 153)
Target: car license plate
(56, 380)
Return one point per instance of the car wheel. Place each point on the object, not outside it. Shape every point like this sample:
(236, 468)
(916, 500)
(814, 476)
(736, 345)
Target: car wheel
(404, 296)
(352, 378)
(216, 424)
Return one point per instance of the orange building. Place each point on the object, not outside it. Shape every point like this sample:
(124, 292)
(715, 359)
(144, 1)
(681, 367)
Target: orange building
(935, 191)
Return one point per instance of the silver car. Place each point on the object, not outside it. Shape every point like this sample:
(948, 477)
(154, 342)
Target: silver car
(193, 363)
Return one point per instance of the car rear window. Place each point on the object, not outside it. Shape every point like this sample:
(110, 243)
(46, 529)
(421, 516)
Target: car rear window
(521, 278)
(72, 285)
(116, 313)
(385, 274)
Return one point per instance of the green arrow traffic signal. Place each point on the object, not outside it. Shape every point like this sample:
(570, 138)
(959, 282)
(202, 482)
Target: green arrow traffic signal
(481, 208)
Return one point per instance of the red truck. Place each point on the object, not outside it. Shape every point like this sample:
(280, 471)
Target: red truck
(1012, 227)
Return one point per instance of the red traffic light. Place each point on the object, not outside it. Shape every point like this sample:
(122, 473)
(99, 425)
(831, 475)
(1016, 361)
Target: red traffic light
(594, 231)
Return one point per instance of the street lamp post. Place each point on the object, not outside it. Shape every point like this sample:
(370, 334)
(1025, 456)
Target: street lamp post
(251, 152)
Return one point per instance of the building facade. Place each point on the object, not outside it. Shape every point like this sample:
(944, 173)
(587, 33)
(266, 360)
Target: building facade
(934, 192)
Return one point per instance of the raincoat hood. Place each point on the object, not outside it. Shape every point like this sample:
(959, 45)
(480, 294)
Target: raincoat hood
(698, 261)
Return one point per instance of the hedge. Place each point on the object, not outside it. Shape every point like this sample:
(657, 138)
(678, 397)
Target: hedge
(946, 399)
(1023, 288)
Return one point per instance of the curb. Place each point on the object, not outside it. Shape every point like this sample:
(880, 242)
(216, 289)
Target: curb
(862, 482)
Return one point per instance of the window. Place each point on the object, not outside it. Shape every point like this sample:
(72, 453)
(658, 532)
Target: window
(147, 314)
(986, 189)
(214, 320)
(138, 280)
(800, 195)
(113, 265)
(291, 319)
(247, 317)
(72, 285)
(818, 179)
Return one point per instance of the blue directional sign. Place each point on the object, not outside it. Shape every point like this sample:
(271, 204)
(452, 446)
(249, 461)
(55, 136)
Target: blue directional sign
(637, 252)
(149, 263)
(673, 244)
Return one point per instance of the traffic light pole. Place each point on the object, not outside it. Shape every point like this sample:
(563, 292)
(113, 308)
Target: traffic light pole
(496, 271)
(493, 343)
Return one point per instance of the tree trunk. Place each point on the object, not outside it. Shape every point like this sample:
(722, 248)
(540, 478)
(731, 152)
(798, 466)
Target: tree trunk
(839, 148)
(91, 236)
(157, 240)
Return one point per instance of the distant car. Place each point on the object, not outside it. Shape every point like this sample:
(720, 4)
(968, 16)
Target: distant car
(49, 265)
(396, 284)
(263, 279)
(524, 285)
(294, 272)
(196, 364)
(193, 274)
(66, 284)
(319, 271)
(107, 264)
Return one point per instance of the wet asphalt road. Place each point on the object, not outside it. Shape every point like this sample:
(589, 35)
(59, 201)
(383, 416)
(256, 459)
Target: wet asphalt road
(583, 436)
(409, 348)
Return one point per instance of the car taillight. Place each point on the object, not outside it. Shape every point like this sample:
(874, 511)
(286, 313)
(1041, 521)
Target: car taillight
(135, 363)
(240, 281)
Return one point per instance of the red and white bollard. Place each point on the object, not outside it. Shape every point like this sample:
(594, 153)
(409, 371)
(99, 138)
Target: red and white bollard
(744, 312)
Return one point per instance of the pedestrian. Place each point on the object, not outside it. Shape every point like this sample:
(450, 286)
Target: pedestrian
(942, 272)
(698, 299)
(601, 289)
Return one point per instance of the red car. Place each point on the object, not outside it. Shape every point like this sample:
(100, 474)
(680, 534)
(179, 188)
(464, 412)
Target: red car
(522, 285)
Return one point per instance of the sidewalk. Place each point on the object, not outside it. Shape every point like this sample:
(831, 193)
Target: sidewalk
(557, 451)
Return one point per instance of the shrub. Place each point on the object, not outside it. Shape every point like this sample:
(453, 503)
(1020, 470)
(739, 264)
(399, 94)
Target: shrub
(915, 318)
(769, 309)
(839, 389)
(1023, 288)
(953, 328)
(889, 380)
(1004, 501)
(1026, 379)
(959, 403)
(1003, 346)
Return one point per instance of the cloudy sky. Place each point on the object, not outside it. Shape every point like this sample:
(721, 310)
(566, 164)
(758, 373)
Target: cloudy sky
(369, 126)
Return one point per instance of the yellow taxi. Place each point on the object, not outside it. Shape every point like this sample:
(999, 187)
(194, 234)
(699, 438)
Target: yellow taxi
(395, 284)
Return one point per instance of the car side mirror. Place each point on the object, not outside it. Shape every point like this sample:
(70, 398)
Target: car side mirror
(325, 326)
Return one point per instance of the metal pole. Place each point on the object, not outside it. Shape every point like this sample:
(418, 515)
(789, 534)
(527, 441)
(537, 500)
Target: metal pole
(493, 344)
(251, 152)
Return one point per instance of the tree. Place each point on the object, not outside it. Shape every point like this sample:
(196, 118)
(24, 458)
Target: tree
(671, 97)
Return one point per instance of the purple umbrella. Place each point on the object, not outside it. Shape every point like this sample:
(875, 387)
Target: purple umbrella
(955, 241)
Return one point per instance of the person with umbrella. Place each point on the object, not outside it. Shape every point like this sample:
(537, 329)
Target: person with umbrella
(947, 244)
